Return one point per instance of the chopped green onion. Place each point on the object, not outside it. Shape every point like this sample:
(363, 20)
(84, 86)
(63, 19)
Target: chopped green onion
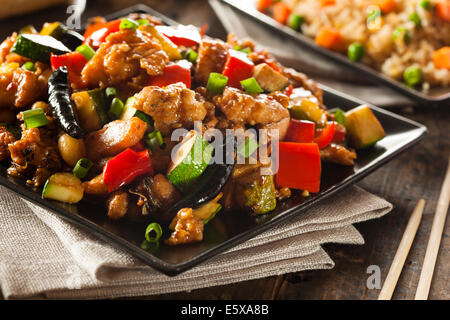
(425, 4)
(87, 52)
(143, 22)
(190, 55)
(247, 148)
(29, 66)
(116, 108)
(375, 14)
(245, 50)
(128, 24)
(339, 116)
(82, 168)
(153, 232)
(110, 92)
(250, 85)
(295, 21)
(144, 117)
(355, 51)
(414, 17)
(34, 118)
(413, 76)
(154, 140)
(403, 34)
(216, 83)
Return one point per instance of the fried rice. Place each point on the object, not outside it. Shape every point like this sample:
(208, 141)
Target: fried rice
(382, 52)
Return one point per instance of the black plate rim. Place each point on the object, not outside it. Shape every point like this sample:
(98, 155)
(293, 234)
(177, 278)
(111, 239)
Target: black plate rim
(375, 75)
(174, 269)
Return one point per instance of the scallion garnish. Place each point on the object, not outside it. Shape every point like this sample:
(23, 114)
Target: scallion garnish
(116, 108)
(29, 66)
(339, 116)
(142, 22)
(247, 148)
(154, 140)
(128, 24)
(34, 118)
(250, 85)
(144, 117)
(110, 92)
(190, 55)
(153, 232)
(87, 52)
(82, 168)
(216, 82)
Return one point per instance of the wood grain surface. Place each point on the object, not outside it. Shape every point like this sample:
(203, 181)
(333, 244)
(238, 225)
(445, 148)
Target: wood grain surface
(415, 174)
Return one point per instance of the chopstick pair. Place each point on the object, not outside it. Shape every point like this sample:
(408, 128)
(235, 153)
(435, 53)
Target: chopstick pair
(431, 253)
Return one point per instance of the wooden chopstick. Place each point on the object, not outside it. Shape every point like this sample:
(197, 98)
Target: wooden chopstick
(426, 275)
(402, 252)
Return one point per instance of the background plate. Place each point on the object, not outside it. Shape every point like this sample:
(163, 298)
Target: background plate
(224, 232)
(439, 95)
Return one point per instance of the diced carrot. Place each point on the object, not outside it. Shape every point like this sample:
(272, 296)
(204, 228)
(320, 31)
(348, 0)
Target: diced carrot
(385, 6)
(263, 5)
(441, 58)
(281, 12)
(443, 9)
(324, 3)
(328, 37)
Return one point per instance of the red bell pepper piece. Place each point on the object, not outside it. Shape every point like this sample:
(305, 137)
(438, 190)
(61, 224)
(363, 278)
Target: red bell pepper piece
(187, 36)
(96, 34)
(125, 167)
(173, 73)
(74, 61)
(289, 90)
(326, 136)
(299, 166)
(339, 133)
(238, 67)
(301, 131)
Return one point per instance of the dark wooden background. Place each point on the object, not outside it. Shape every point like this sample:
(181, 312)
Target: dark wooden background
(416, 173)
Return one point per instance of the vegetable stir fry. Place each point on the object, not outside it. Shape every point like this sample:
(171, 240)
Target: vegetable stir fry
(123, 115)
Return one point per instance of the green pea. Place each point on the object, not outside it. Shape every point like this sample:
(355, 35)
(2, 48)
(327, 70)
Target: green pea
(425, 4)
(403, 34)
(295, 21)
(413, 76)
(355, 51)
(414, 17)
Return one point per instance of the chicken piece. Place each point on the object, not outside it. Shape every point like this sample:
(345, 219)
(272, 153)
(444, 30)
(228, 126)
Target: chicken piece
(114, 137)
(212, 55)
(172, 106)
(186, 228)
(242, 108)
(20, 87)
(123, 56)
(6, 46)
(338, 154)
(6, 138)
(117, 205)
(36, 153)
(301, 80)
(96, 186)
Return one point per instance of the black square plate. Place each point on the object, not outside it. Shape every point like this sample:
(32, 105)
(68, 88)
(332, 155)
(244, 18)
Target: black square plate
(229, 229)
(438, 95)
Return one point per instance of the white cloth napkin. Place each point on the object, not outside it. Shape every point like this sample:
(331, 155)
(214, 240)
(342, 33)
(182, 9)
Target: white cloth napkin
(42, 255)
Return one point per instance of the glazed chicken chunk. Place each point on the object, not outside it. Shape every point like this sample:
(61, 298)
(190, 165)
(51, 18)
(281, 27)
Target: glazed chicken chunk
(125, 55)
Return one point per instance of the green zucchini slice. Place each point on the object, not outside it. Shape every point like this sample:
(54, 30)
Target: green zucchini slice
(38, 47)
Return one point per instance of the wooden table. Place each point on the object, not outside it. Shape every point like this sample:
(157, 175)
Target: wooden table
(416, 173)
